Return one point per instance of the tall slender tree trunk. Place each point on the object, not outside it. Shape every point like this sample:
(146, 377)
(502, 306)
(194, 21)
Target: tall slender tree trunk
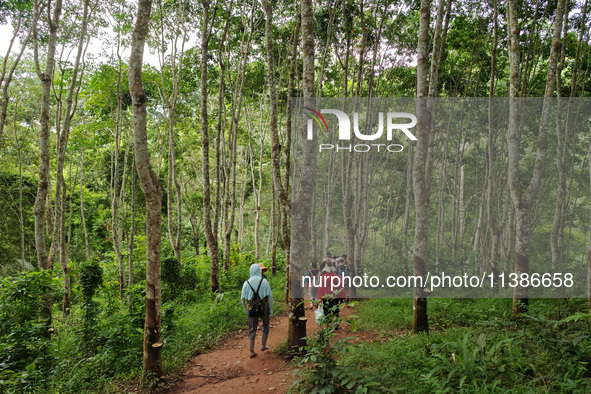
(173, 186)
(420, 181)
(407, 203)
(347, 163)
(212, 242)
(477, 241)
(131, 245)
(300, 216)
(437, 51)
(71, 103)
(20, 215)
(258, 195)
(332, 8)
(327, 203)
(562, 137)
(461, 207)
(578, 58)
(456, 197)
(282, 188)
(589, 246)
(509, 245)
(231, 193)
(223, 49)
(243, 179)
(491, 192)
(524, 201)
(46, 78)
(82, 215)
(273, 232)
(196, 237)
(440, 238)
(152, 191)
(230, 196)
(114, 197)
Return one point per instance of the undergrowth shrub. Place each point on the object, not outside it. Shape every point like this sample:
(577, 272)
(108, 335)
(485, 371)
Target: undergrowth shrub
(322, 371)
(90, 279)
(23, 337)
(100, 343)
(484, 353)
(171, 278)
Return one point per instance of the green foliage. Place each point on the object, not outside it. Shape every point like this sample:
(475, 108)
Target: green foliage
(171, 277)
(112, 347)
(239, 266)
(10, 227)
(100, 343)
(479, 350)
(136, 306)
(23, 337)
(171, 271)
(90, 278)
(323, 372)
(473, 346)
(19, 297)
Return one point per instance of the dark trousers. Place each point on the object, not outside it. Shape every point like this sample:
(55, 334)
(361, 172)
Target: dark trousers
(253, 322)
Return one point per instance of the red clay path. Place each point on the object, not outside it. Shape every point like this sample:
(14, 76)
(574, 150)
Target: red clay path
(228, 369)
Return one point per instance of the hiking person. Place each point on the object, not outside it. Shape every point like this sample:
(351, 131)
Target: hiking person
(263, 270)
(344, 258)
(331, 295)
(257, 300)
(325, 260)
(342, 268)
(311, 280)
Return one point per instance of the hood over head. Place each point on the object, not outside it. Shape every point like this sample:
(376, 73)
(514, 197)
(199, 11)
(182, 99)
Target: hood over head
(255, 270)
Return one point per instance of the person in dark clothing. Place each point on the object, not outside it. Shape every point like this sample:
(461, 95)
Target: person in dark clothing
(312, 279)
(325, 260)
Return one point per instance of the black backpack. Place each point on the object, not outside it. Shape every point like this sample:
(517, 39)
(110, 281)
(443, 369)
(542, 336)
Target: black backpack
(256, 308)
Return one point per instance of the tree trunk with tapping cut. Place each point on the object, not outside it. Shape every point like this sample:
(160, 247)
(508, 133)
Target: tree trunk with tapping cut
(152, 363)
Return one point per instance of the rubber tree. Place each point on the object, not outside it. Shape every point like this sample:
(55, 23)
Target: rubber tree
(420, 180)
(524, 200)
(153, 193)
(46, 78)
(300, 214)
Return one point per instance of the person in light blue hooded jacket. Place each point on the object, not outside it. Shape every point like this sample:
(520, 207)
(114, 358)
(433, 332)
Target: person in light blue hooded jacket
(266, 296)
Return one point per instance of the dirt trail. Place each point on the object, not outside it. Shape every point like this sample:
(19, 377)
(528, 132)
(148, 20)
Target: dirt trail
(228, 369)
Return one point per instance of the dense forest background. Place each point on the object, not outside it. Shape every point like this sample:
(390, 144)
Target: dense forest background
(78, 227)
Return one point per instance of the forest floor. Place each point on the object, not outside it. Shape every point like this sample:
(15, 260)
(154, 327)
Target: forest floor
(228, 368)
